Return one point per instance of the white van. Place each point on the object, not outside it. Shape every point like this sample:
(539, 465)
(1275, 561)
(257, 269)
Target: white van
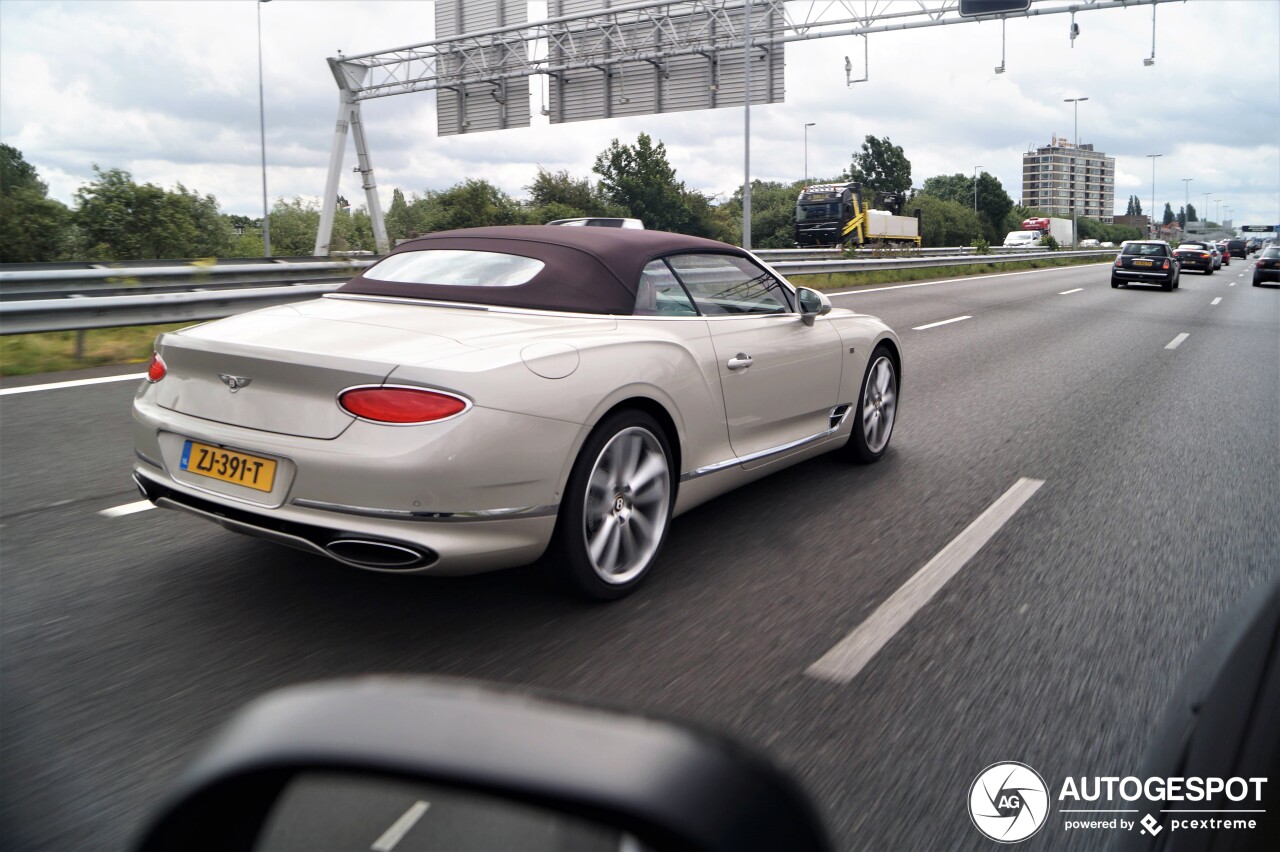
(1022, 239)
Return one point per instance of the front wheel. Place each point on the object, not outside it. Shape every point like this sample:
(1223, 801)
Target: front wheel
(876, 409)
(616, 507)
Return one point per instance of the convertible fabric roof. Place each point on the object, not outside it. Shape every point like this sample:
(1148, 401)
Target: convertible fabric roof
(586, 270)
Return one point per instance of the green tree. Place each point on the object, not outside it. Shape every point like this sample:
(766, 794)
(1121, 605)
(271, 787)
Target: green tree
(33, 227)
(293, 227)
(472, 203)
(945, 222)
(881, 166)
(572, 193)
(1192, 216)
(993, 202)
(1168, 214)
(639, 179)
(773, 214)
(1182, 216)
(119, 219)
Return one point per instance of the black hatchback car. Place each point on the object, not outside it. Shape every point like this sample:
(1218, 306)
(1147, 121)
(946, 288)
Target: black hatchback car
(1238, 248)
(1146, 262)
(1195, 256)
(1267, 267)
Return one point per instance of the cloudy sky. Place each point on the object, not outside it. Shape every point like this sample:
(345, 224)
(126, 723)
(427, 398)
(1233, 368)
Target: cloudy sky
(168, 90)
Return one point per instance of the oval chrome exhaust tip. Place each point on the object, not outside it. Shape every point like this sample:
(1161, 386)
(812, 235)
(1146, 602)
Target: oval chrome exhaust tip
(376, 554)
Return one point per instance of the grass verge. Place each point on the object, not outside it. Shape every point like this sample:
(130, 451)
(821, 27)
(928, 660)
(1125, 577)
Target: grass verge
(53, 352)
(841, 280)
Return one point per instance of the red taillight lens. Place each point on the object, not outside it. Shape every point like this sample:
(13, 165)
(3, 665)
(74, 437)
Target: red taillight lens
(1204, 256)
(400, 405)
(156, 371)
(1166, 264)
(1118, 262)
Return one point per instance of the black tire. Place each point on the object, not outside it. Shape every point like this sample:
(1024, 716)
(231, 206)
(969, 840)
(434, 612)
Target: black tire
(876, 409)
(1115, 285)
(616, 508)
(1167, 286)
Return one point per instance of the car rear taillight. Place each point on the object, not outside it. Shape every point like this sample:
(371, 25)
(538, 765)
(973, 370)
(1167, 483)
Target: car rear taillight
(156, 370)
(1166, 265)
(1118, 261)
(400, 405)
(1204, 256)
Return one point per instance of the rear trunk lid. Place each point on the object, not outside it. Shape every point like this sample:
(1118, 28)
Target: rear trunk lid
(281, 369)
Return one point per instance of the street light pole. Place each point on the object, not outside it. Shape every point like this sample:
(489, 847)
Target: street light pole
(1153, 187)
(262, 131)
(806, 151)
(1204, 217)
(1217, 217)
(1075, 203)
(1186, 202)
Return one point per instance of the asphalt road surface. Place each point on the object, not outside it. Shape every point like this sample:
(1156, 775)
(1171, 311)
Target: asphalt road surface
(1132, 434)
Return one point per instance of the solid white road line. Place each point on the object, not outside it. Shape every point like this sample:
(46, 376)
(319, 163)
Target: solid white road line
(400, 827)
(1216, 301)
(1177, 341)
(127, 509)
(75, 383)
(843, 662)
(1069, 292)
(1232, 284)
(862, 290)
(943, 322)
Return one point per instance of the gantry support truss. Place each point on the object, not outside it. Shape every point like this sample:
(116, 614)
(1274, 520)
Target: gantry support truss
(611, 39)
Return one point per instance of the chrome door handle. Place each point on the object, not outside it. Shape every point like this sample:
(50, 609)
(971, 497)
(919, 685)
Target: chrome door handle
(740, 361)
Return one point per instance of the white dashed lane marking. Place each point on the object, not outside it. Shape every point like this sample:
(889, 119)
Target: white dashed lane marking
(1177, 341)
(127, 509)
(942, 322)
(843, 662)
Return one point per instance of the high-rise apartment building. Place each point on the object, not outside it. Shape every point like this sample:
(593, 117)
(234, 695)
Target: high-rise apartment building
(1060, 176)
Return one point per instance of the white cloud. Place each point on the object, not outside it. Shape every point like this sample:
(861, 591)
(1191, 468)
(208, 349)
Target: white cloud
(168, 90)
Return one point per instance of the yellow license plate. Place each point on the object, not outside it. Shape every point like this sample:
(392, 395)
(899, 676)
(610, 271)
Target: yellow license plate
(1142, 263)
(228, 465)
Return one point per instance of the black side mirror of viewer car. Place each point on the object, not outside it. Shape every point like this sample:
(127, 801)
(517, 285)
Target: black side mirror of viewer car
(482, 767)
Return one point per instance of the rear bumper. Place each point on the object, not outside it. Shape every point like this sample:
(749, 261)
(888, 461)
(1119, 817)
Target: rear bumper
(1142, 276)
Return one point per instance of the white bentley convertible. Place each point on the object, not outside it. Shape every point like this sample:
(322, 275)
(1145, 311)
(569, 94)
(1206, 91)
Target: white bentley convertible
(480, 398)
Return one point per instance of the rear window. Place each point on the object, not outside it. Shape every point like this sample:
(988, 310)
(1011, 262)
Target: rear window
(456, 267)
(1274, 251)
(1146, 249)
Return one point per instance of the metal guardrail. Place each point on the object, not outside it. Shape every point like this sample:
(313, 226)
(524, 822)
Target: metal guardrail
(210, 292)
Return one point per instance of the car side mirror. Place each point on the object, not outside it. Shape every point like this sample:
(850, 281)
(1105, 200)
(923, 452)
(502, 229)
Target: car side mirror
(812, 304)
(467, 765)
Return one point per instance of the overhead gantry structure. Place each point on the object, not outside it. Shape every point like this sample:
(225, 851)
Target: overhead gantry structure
(604, 59)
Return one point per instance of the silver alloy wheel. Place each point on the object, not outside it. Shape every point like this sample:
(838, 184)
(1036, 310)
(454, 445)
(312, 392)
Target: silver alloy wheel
(879, 403)
(627, 505)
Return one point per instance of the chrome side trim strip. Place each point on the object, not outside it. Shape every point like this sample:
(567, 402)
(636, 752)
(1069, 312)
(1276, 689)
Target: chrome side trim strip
(410, 515)
(837, 417)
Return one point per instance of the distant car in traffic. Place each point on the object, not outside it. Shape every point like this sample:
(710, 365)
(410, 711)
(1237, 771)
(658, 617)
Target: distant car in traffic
(600, 222)
(1267, 267)
(1238, 248)
(1196, 256)
(1224, 252)
(1089, 244)
(1146, 262)
(1022, 239)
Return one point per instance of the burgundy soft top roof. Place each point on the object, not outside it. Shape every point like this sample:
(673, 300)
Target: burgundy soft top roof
(587, 270)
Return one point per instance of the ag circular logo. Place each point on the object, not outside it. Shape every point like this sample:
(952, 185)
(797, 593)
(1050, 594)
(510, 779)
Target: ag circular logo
(1008, 802)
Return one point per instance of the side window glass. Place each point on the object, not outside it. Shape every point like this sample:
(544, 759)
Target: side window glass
(724, 284)
(660, 294)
